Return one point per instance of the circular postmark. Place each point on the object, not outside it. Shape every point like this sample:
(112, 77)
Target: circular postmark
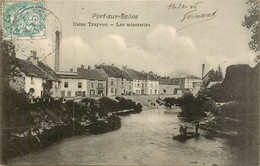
(33, 27)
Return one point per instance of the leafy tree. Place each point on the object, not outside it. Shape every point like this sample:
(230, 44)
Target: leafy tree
(8, 64)
(252, 22)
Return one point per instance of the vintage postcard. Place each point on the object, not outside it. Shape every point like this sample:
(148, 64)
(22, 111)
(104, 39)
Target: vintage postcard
(90, 82)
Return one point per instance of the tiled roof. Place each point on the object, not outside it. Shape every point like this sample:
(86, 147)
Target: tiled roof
(50, 73)
(146, 76)
(40, 70)
(113, 71)
(133, 74)
(90, 74)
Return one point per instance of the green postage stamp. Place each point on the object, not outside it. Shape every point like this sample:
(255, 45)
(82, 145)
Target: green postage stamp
(24, 19)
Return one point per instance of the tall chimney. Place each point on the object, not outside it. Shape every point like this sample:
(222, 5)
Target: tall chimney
(57, 52)
(203, 68)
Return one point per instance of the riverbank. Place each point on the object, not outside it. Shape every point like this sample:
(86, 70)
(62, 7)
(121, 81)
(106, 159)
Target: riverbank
(52, 121)
(143, 139)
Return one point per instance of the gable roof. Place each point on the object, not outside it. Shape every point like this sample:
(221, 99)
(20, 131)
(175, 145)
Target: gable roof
(40, 70)
(113, 71)
(50, 73)
(90, 74)
(207, 74)
(133, 74)
(146, 76)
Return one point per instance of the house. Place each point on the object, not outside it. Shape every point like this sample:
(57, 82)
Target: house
(73, 84)
(188, 84)
(37, 78)
(136, 81)
(149, 83)
(117, 81)
(168, 86)
(96, 83)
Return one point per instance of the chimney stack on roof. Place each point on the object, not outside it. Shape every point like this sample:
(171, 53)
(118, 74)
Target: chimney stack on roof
(33, 58)
(89, 67)
(82, 66)
(113, 64)
(57, 52)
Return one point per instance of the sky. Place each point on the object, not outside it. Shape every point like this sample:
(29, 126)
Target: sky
(163, 47)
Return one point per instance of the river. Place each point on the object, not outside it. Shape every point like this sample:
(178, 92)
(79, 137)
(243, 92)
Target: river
(144, 138)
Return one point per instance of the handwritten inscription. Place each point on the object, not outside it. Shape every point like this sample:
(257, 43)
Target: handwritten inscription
(183, 6)
(192, 12)
(190, 15)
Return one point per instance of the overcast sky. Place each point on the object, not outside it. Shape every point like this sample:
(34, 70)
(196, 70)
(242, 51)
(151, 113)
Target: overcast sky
(220, 40)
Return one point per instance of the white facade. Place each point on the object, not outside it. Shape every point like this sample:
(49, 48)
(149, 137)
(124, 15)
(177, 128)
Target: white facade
(73, 87)
(153, 87)
(33, 86)
(118, 86)
(137, 87)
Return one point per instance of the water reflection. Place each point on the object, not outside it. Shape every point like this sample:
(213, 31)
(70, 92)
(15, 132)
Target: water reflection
(144, 138)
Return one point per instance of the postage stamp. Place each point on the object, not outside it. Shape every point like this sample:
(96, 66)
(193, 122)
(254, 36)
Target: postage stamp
(24, 19)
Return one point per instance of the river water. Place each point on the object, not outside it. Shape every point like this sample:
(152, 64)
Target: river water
(144, 138)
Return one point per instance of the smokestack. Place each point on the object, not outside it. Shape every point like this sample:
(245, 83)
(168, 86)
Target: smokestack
(203, 68)
(57, 52)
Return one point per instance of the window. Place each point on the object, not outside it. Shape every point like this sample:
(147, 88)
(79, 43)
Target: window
(129, 87)
(92, 92)
(100, 85)
(112, 90)
(32, 80)
(80, 93)
(92, 84)
(122, 83)
(79, 85)
(62, 93)
(69, 93)
(112, 83)
(66, 84)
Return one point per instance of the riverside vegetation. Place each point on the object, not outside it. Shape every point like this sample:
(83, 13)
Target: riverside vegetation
(33, 126)
(26, 126)
(229, 109)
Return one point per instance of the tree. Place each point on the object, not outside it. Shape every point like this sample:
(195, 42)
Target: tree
(252, 22)
(218, 74)
(8, 67)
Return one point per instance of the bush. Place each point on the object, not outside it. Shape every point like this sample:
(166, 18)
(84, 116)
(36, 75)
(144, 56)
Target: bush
(195, 108)
(170, 101)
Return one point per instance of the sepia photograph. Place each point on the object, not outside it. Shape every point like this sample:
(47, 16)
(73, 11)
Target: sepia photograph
(129, 82)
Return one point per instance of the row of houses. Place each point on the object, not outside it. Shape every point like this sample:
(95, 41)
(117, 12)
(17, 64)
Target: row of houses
(38, 79)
